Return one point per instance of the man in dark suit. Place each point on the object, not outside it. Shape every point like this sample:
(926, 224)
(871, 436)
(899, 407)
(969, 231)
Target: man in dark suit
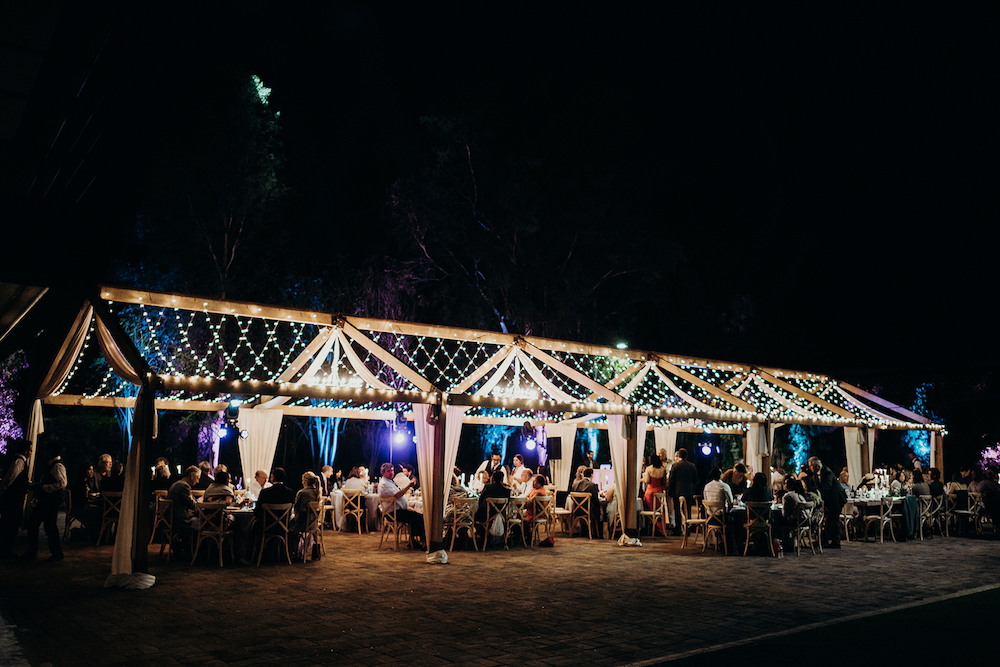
(587, 486)
(277, 493)
(326, 480)
(683, 478)
(834, 498)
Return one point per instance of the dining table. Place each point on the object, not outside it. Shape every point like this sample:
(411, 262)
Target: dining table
(908, 508)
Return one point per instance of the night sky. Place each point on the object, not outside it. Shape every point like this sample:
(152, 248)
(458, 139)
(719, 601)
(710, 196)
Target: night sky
(833, 167)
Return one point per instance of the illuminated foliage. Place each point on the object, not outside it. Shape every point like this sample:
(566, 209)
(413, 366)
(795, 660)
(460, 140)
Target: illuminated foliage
(9, 370)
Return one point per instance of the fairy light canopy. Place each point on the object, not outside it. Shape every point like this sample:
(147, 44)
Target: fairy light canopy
(205, 352)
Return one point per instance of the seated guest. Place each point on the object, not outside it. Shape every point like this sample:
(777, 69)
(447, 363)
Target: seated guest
(956, 484)
(495, 489)
(520, 484)
(387, 489)
(845, 481)
(308, 494)
(588, 486)
(716, 490)
(612, 504)
(578, 478)
(920, 487)
(793, 497)
(115, 481)
(936, 487)
(161, 478)
(518, 467)
(220, 491)
(736, 478)
(354, 481)
(777, 480)
(537, 489)
(411, 474)
(811, 487)
(101, 473)
(206, 475)
(479, 481)
(759, 491)
(326, 480)
(184, 515)
(257, 484)
(277, 493)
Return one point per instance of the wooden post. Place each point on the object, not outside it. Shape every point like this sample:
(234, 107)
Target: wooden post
(631, 476)
(435, 524)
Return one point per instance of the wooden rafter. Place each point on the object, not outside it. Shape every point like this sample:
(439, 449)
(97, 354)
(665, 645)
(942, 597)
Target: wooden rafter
(388, 358)
(572, 373)
(808, 395)
(707, 386)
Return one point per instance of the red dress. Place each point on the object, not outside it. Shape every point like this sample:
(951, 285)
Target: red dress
(653, 486)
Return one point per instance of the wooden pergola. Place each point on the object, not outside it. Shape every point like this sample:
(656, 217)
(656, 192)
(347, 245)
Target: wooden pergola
(198, 354)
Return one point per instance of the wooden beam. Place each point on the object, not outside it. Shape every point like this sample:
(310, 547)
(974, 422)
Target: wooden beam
(884, 403)
(294, 390)
(707, 386)
(573, 374)
(481, 372)
(388, 358)
(836, 409)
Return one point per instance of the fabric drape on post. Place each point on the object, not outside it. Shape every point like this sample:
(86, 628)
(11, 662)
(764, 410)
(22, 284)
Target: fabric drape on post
(432, 435)
(129, 557)
(853, 442)
(869, 435)
(562, 468)
(257, 449)
(452, 436)
(114, 355)
(666, 438)
(626, 473)
(751, 456)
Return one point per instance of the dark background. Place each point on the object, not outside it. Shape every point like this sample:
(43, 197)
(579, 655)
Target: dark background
(808, 188)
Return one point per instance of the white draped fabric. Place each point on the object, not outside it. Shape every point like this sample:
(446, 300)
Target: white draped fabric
(666, 438)
(257, 449)
(122, 561)
(868, 437)
(852, 445)
(562, 468)
(753, 438)
(452, 436)
(619, 454)
(435, 485)
(640, 447)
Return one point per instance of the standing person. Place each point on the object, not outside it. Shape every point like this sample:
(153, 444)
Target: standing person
(736, 478)
(48, 496)
(683, 478)
(834, 498)
(491, 465)
(655, 477)
(13, 489)
(589, 461)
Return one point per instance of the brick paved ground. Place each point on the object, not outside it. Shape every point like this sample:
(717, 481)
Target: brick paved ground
(583, 602)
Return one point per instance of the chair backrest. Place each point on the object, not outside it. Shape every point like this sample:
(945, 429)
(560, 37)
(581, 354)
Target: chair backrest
(464, 510)
(715, 512)
(515, 509)
(352, 501)
(276, 516)
(197, 493)
(495, 507)
(539, 505)
(975, 501)
(886, 507)
(212, 516)
(160, 493)
(164, 509)
(803, 513)
(758, 514)
(682, 509)
(925, 505)
(112, 504)
(315, 515)
(580, 503)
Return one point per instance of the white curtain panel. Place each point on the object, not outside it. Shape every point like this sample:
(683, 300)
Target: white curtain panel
(562, 468)
(424, 432)
(640, 445)
(122, 561)
(619, 452)
(666, 438)
(869, 435)
(852, 445)
(755, 433)
(257, 449)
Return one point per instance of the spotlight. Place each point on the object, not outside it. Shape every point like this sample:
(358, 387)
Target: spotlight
(244, 434)
(223, 432)
(399, 438)
(530, 444)
(706, 450)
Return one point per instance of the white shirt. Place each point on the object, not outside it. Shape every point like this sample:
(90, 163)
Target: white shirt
(354, 484)
(387, 489)
(254, 488)
(716, 491)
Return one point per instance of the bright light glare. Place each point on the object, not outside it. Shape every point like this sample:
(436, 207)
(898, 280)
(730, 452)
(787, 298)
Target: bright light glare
(399, 438)
(222, 432)
(530, 443)
(706, 449)
(622, 346)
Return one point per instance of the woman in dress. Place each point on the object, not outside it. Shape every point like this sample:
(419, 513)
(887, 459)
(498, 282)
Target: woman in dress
(759, 491)
(655, 477)
(308, 494)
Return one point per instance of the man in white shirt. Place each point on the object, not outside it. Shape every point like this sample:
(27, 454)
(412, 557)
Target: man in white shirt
(520, 486)
(387, 489)
(717, 490)
(257, 484)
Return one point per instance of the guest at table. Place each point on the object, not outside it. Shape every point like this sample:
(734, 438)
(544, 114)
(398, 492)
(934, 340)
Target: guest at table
(182, 504)
(956, 484)
(277, 493)
(916, 463)
(102, 471)
(736, 479)
(966, 476)
(517, 468)
(206, 475)
(611, 507)
(683, 479)
(936, 487)
(521, 484)
(793, 497)
(845, 480)
(919, 487)
(811, 487)
(777, 480)
(410, 473)
(495, 489)
(759, 491)
(161, 478)
(309, 493)
(716, 490)
(986, 486)
(326, 481)
(115, 481)
(537, 489)
(588, 486)
(834, 499)
(220, 490)
(257, 484)
(387, 489)
(354, 481)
